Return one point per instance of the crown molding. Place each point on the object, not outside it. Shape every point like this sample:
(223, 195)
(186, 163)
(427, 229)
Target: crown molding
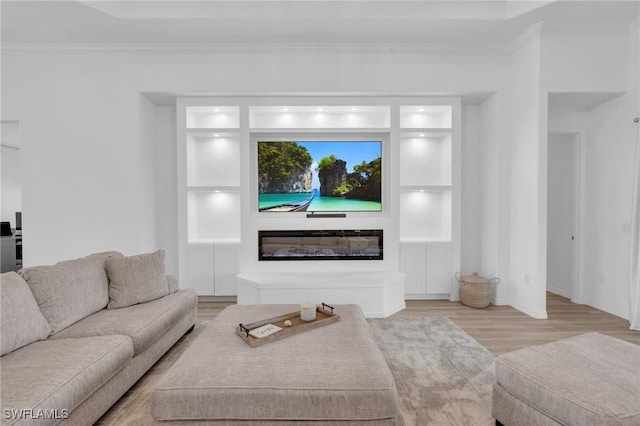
(586, 29)
(527, 35)
(197, 48)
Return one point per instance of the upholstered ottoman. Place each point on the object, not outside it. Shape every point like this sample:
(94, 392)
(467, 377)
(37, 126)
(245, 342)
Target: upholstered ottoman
(590, 379)
(330, 375)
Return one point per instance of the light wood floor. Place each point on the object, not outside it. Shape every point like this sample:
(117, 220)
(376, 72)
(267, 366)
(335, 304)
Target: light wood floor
(500, 329)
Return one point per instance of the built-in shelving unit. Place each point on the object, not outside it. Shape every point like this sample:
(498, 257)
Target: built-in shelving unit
(210, 192)
(429, 148)
(218, 215)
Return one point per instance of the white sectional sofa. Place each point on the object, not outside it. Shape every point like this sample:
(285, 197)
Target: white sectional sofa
(77, 335)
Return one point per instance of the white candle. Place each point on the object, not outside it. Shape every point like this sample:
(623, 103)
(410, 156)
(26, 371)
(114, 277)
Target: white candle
(308, 312)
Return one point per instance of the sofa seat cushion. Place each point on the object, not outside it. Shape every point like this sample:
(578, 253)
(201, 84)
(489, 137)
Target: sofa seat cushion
(143, 323)
(22, 321)
(69, 291)
(60, 374)
(584, 380)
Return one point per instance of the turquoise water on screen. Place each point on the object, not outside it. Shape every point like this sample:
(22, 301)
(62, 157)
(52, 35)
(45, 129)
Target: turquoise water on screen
(324, 204)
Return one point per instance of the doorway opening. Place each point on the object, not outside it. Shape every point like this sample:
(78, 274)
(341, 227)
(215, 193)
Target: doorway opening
(563, 214)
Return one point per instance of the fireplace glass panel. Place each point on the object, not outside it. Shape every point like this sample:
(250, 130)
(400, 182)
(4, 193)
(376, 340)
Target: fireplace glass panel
(366, 244)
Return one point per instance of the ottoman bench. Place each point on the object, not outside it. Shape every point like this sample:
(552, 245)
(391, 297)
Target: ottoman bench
(591, 379)
(330, 375)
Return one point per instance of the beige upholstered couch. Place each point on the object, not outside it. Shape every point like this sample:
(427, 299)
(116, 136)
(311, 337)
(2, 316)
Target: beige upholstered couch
(77, 335)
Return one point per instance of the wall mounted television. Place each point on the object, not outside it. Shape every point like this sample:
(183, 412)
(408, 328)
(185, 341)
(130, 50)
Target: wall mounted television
(320, 176)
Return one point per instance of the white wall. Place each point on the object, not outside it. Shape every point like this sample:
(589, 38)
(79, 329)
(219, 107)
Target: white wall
(472, 201)
(11, 187)
(610, 153)
(585, 60)
(496, 189)
(609, 136)
(86, 170)
(527, 281)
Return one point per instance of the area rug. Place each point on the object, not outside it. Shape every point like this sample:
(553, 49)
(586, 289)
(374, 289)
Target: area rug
(443, 376)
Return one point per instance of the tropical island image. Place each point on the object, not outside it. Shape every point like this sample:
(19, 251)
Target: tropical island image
(320, 176)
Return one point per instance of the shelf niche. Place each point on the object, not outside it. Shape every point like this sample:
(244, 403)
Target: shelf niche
(213, 216)
(213, 117)
(425, 215)
(327, 117)
(426, 117)
(213, 160)
(426, 160)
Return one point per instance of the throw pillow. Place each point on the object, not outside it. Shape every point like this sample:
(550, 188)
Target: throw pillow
(22, 321)
(136, 279)
(71, 290)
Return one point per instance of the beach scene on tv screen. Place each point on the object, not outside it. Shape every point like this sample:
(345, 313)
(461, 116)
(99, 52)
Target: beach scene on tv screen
(320, 176)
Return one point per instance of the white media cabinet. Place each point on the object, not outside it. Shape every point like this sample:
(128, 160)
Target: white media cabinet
(378, 294)
(218, 218)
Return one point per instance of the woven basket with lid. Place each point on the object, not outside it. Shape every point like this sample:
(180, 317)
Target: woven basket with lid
(475, 290)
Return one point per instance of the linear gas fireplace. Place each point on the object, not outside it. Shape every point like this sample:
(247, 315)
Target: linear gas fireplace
(362, 244)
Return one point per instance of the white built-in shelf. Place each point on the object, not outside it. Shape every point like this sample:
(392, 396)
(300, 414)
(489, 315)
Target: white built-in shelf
(217, 241)
(213, 216)
(216, 154)
(425, 188)
(426, 159)
(329, 130)
(319, 117)
(424, 240)
(212, 117)
(213, 160)
(425, 215)
(207, 131)
(428, 132)
(426, 116)
(213, 188)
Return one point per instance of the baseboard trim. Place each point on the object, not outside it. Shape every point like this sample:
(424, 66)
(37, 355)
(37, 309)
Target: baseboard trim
(559, 292)
(529, 311)
(225, 299)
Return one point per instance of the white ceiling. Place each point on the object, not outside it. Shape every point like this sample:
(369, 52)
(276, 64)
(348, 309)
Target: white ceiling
(417, 22)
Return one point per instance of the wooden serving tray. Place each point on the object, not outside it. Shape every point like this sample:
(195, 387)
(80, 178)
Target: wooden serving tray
(324, 315)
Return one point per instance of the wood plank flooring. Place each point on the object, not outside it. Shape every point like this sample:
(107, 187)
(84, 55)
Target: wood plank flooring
(500, 329)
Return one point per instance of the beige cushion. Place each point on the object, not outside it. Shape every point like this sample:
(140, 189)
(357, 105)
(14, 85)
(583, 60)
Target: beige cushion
(60, 374)
(136, 279)
(333, 373)
(591, 379)
(71, 290)
(143, 323)
(173, 283)
(22, 321)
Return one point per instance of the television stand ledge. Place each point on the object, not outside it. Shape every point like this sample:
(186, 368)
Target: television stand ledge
(379, 293)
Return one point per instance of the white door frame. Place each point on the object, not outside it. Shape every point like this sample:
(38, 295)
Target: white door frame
(577, 286)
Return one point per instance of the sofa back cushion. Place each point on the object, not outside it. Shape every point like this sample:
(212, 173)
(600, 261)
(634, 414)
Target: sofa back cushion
(136, 279)
(71, 290)
(22, 321)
